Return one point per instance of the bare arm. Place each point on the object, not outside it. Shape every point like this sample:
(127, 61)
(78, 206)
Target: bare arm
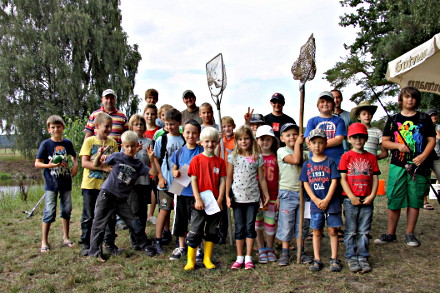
(383, 153)
(41, 165)
(222, 189)
(162, 181)
(198, 200)
(229, 176)
(389, 145)
(263, 185)
(333, 142)
(369, 199)
(428, 150)
(296, 157)
(344, 183)
(331, 191)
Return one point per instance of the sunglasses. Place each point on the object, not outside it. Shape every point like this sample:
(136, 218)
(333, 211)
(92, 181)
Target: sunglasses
(277, 102)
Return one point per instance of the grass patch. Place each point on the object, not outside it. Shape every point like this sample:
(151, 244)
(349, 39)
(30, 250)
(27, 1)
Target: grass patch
(396, 267)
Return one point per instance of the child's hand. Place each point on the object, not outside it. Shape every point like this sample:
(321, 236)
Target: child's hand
(162, 182)
(368, 200)
(403, 148)
(52, 165)
(419, 160)
(74, 170)
(199, 205)
(355, 201)
(248, 115)
(220, 204)
(266, 200)
(317, 202)
(103, 148)
(228, 201)
(106, 168)
(323, 205)
(277, 205)
(139, 147)
(176, 173)
(299, 140)
(150, 151)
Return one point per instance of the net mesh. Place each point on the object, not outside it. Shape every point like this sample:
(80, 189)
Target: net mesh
(216, 74)
(304, 67)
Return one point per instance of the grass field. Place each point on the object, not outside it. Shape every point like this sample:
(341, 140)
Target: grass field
(396, 267)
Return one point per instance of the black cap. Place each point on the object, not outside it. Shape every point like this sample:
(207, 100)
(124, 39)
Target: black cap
(278, 97)
(432, 112)
(288, 126)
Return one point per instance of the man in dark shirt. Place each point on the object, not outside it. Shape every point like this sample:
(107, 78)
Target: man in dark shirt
(277, 118)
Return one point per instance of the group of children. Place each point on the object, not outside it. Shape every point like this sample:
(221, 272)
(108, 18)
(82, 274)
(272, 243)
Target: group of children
(256, 178)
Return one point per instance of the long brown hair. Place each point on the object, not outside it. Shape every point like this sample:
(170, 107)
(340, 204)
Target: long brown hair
(255, 149)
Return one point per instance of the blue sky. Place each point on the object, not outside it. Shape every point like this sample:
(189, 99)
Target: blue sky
(259, 40)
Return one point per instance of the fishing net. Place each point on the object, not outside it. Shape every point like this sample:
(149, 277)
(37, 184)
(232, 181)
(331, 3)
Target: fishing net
(216, 74)
(304, 67)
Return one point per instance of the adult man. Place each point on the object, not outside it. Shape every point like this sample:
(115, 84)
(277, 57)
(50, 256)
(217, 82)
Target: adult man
(120, 122)
(191, 111)
(277, 118)
(338, 111)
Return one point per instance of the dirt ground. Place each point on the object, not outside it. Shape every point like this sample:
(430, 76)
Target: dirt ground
(19, 169)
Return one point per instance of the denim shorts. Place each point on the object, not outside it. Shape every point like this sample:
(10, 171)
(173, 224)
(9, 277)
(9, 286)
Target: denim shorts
(317, 221)
(288, 215)
(50, 205)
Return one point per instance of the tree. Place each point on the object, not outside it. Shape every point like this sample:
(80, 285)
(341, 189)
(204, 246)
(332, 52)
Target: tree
(56, 57)
(387, 29)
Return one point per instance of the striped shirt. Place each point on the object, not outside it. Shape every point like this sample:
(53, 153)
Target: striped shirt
(120, 123)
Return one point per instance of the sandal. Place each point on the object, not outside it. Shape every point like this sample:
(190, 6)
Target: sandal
(262, 257)
(271, 255)
(249, 265)
(427, 206)
(68, 244)
(44, 249)
(237, 265)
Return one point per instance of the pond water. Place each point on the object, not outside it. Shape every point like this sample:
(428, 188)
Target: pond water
(15, 187)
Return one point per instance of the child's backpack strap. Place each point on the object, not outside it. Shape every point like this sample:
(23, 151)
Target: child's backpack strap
(163, 147)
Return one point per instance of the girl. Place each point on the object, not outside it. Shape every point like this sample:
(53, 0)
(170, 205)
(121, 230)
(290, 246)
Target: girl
(244, 163)
(266, 217)
(140, 196)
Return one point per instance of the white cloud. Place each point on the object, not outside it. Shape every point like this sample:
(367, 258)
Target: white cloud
(259, 40)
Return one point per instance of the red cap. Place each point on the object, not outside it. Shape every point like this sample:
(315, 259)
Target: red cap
(357, 128)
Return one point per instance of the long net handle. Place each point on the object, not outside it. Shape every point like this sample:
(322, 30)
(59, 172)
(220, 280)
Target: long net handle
(301, 189)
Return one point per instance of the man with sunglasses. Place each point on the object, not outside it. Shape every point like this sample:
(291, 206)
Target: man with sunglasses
(277, 118)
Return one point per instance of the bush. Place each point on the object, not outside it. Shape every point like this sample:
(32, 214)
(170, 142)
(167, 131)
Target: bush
(75, 132)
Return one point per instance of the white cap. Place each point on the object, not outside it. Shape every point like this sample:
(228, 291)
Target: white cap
(109, 92)
(264, 130)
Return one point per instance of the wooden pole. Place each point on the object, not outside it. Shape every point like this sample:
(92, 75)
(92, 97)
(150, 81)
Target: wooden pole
(301, 190)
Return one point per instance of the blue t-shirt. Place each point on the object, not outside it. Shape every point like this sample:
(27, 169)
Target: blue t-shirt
(319, 176)
(173, 144)
(184, 156)
(333, 127)
(124, 174)
(58, 178)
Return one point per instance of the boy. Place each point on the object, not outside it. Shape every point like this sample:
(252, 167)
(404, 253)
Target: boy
(165, 146)
(410, 163)
(161, 121)
(359, 180)
(93, 178)
(364, 113)
(151, 96)
(253, 120)
(320, 176)
(289, 158)
(115, 191)
(207, 116)
(185, 201)
(207, 173)
(333, 126)
(436, 163)
(57, 179)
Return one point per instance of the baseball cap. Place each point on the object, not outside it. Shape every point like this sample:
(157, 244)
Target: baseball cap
(364, 105)
(357, 128)
(264, 130)
(188, 93)
(257, 118)
(287, 126)
(278, 98)
(318, 132)
(326, 95)
(432, 112)
(109, 92)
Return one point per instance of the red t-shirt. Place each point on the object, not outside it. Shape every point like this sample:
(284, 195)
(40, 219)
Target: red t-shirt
(271, 173)
(150, 133)
(208, 170)
(360, 169)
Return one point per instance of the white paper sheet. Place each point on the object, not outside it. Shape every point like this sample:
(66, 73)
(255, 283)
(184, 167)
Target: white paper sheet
(307, 210)
(183, 179)
(211, 206)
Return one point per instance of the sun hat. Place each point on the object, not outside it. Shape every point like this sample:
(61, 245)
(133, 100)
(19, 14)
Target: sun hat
(364, 105)
(257, 118)
(287, 126)
(357, 128)
(109, 92)
(318, 132)
(264, 130)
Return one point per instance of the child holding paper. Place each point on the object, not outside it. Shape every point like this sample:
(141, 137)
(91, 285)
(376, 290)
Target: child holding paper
(212, 170)
(185, 199)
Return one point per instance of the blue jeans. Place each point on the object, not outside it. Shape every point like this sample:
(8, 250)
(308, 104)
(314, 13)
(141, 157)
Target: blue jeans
(357, 229)
(288, 215)
(244, 217)
(50, 205)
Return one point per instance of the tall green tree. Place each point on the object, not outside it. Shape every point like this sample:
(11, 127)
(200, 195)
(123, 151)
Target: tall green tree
(56, 57)
(386, 30)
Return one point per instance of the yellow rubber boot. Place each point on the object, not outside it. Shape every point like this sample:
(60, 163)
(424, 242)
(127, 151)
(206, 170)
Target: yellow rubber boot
(191, 259)
(209, 246)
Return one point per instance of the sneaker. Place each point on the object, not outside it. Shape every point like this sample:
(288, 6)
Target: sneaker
(411, 240)
(271, 256)
(365, 266)
(152, 220)
(150, 251)
(114, 250)
(166, 237)
(284, 260)
(335, 265)
(178, 253)
(249, 265)
(85, 250)
(262, 257)
(316, 265)
(353, 265)
(306, 259)
(385, 238)
(158, 247)
(199, 255)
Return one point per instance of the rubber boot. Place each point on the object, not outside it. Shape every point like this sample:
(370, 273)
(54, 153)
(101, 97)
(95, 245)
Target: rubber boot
(209, 246)
(191, 259)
